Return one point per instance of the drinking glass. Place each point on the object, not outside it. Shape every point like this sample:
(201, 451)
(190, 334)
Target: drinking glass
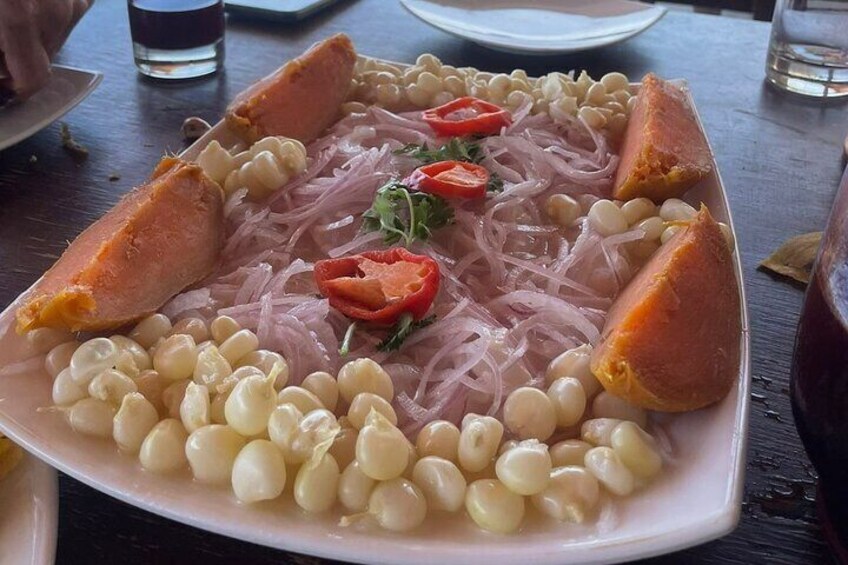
(808, 52)
(176, 39)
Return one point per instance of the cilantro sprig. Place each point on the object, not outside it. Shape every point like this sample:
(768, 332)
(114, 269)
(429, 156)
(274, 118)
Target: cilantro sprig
(402, 330)
(454, 150)
(405, 215)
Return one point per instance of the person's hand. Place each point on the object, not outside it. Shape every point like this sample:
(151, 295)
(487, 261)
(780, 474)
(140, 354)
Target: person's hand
(31, 32)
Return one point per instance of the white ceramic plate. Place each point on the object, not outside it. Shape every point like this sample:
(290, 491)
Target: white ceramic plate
(29, 506)
(67, 88)
(538, 26)
(697, 498)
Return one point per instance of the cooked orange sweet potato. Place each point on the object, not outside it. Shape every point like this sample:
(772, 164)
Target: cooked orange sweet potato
(301, 99)
(160, 238)
(664, 152)
(671, 340)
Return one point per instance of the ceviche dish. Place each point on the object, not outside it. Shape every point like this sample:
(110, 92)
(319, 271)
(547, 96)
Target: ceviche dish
(391, 293)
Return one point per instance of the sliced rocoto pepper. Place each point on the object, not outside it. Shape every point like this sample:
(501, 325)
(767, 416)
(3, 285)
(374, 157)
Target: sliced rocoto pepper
(450, 179)
(467, 116)
(379, 286)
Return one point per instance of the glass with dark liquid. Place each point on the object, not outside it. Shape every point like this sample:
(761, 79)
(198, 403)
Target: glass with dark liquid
(176, 39)
(819, 385)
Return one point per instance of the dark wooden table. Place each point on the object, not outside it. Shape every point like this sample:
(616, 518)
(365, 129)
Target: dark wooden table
(779, 157)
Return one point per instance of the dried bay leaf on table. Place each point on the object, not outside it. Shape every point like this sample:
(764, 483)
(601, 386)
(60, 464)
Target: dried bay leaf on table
(794, 259)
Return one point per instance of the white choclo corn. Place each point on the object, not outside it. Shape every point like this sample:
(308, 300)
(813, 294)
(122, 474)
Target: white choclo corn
(111, 386)
(133, 421)
(454, 85)
(500, 83)
(211, 452)
(569, 452)
(410, 75)
(211, 368)
(300, 397)
(608, 468)
(316, 484)
(42, 340)
(66, 390)
(438, 438)
(563, 209)
(378, 77)
(259, 472)
(728, 235)
(344, 446)
(238, 345)
(443, 97)
(571, 494)
(516, 98)
(592, 117)
(150, 329)
(265, 361)
(354, 108)
(569, 401)
(597, 431)
(429, 83)
(566, 104)
(494, 507)
(653, 228)
(141, 359)
(429, 61)
(282, 428)
(93, 417)
(448, 71)
(250, 404)
(669, 232)
(622, 96)
(615, 107)
(152, 349)
(91, 358)
(506, 446)
(152, 386)
(442, 483)
(195, 408)
(607, 405)
(388, 94)
(397, 505)
(607, 218)
(417, 95)
(615, 81)
(636, 449)
(524, 469)
(529, 414)
(364, 375)
(596, 94)
(172, 397)
(163, 449)
(478, 442)
(574, 363)
(222, 328)
(617, 125)
(176, 357)
(195, 327)
(362, 405)
(215, 161)
(675, 210)
(355, 488)
(126, 364)
(411, 460)
(520, 74)
(324, 386)
(315, 433)
(240, 374)
(631, 104)
(59, 358)
(381, 448)
(638, 209)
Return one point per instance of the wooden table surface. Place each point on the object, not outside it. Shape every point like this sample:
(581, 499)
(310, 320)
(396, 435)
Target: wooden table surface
(779, 157)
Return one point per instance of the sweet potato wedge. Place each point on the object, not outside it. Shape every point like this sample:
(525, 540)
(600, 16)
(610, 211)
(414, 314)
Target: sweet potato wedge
(672, 339)
(301, 99)
(664, 152)
(160, 238)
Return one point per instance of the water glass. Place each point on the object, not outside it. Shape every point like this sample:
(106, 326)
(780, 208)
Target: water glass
(808, 52)
(176, 39)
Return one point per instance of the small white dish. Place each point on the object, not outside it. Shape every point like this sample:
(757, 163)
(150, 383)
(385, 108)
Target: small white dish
(67, 88)
(540, 27)
(29, 506)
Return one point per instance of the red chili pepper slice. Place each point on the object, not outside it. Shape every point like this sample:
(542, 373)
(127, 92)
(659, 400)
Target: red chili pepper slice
(467, 116)
(379, 286)
(451, 179)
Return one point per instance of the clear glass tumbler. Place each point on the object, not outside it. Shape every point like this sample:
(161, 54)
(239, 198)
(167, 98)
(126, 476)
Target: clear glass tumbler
(808, 52)
(176, 39)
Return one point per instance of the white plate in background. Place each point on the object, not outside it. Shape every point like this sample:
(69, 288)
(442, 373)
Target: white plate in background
(538, 26)
(67, 88)
(29, 505)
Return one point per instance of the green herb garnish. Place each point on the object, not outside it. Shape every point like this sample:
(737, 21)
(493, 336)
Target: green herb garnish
(454, 150)
(495, 183)
(405, 215)
(402, 330)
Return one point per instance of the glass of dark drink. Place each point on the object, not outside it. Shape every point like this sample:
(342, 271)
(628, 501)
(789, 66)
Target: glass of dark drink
(174, 39)
(819, 382)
